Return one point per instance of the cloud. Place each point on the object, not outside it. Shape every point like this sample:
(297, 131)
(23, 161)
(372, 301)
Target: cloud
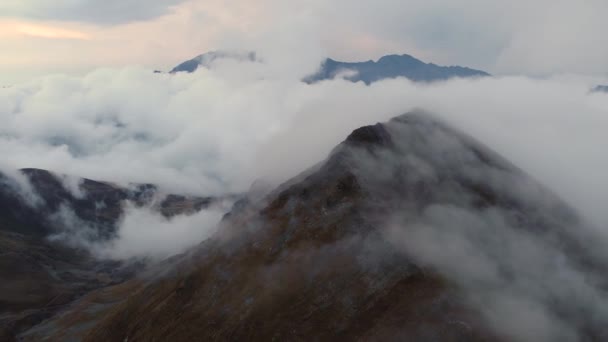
(518, 255)
(216, 131)
(145, 233)
(12, 29)
(109, 12)
(526, 285)
(142, 233)
(18, 183)
(540, 37)
(49, 32)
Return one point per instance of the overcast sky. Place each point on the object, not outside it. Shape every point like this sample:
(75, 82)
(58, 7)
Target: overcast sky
(537, 37)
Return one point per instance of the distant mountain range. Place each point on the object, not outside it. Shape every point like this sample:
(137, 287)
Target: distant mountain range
(390, 66)
(600, 89)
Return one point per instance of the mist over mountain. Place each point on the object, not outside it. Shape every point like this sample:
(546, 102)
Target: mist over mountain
(409, 229)
(238, 202)
(62, 236)
(206, 60)
(345, 170)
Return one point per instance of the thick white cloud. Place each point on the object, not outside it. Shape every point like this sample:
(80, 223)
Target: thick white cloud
(142, 232)
(217, 131)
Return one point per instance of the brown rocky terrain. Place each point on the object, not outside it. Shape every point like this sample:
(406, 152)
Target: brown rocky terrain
(41, 276)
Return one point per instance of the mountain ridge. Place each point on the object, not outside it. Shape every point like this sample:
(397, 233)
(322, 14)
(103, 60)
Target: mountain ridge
(320, 258)
(207, 59)
(386, 67)
(391, 66)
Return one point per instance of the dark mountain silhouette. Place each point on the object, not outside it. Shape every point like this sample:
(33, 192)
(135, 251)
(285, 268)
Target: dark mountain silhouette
(600, 89)
(390, 66)
(317, 259)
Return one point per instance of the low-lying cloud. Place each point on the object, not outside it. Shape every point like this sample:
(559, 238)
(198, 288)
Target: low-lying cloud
(146, 233)
(216, 131)
(141, 233)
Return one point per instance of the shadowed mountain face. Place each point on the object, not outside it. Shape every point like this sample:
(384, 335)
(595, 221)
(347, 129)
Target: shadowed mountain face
(352, 250)
(99, 204)
(391, 66)
(95, 202)
(41, 276)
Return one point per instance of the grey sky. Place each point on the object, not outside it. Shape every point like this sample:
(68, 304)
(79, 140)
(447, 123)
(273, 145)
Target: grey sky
(102, 12)
(541, 37)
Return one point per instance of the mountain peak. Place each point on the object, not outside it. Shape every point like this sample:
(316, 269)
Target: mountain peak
(373, 135)
(398, 58)
(207, 59)
(391, 66)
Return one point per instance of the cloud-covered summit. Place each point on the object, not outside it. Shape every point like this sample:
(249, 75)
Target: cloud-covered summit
(207, 60)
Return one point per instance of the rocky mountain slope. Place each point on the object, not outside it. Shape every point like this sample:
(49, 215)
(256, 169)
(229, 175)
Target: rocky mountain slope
(339, 253)
(40, 276)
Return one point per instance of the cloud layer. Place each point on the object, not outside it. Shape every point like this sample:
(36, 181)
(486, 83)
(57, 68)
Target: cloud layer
(142, 232)
(216, 131)
(98, 12)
